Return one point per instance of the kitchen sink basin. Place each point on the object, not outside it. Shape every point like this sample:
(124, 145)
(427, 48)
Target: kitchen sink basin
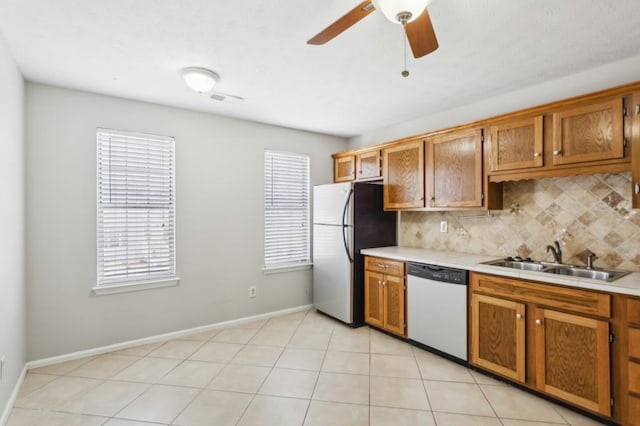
(594, 274)
(525, 266)
(607, 275)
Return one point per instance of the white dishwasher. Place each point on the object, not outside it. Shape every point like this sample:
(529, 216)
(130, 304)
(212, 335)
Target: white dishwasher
(437, 308)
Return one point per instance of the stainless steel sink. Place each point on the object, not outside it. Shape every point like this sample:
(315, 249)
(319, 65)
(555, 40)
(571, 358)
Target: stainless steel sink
(594, 274)
(525, 266)
(607, 275)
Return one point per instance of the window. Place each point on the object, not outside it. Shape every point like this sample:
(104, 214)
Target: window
(136, 208)
(286, 210)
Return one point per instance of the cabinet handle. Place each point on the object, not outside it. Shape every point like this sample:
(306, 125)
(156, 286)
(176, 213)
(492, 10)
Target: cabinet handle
(518, 316)
(384, 283)
(536, 154)
(379, 282)
(538, 322)
(557, 152)
(359, 171)
(382, 265)
(637, 188)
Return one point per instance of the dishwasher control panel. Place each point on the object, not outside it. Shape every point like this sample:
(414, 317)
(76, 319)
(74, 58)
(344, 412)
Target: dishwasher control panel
(438, 273)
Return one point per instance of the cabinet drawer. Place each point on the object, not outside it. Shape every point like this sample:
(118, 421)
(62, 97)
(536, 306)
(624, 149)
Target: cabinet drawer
(386, 266)
(634, 377)
(634, 411)
(571, 299)
(634, 343)
(633, 310)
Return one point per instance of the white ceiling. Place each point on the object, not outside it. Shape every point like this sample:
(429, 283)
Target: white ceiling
(135, 49)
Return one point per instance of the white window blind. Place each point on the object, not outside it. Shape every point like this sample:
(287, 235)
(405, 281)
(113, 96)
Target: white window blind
(286, 209)
(136, 207)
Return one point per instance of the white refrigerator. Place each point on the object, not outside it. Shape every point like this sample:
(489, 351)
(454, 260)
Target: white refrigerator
(347, 217)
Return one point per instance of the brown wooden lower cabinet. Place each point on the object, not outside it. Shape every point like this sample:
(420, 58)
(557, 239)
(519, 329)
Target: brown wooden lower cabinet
(634, 411)
(497, 330)
(572, 359)
(384, 295)
(548, 338)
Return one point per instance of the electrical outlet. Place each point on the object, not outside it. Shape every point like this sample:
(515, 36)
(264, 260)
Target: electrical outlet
(252, 291)
(443, 226)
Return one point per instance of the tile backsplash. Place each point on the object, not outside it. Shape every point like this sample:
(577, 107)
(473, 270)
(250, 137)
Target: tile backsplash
(582, 212)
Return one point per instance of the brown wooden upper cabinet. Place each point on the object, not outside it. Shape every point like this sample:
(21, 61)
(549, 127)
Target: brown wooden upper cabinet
(344, 169)
(368, 165)
(403, 175)
(454, 169)
(517, 144)
(635, 148)
(589, 132)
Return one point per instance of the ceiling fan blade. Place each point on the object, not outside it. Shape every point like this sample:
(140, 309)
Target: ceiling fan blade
(342, 24)
(421, 35)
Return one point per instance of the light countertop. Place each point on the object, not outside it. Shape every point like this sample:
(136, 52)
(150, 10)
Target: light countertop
(629, 284)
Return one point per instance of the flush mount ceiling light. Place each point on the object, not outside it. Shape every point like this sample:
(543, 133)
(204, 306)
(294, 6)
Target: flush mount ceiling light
(401, 11)
(200, 79)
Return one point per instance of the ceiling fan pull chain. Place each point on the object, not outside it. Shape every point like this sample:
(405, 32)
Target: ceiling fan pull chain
(405, 72)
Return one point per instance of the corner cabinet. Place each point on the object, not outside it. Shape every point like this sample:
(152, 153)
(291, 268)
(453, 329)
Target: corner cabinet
(589, 132)
(454, 170)
(533, 333)
(384, 294)
(403, 175)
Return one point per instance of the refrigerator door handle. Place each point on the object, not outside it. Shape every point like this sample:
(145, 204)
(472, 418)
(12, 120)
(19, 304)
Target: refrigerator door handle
(345, 227)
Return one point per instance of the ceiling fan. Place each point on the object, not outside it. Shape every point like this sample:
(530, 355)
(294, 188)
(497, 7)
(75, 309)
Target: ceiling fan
(411, 14)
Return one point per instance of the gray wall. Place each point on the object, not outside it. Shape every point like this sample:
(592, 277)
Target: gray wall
(219, 221)
(604, 77)
(12, 282)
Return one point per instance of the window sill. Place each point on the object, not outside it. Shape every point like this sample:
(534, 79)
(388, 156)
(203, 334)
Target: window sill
(105, 290)
(287, 268)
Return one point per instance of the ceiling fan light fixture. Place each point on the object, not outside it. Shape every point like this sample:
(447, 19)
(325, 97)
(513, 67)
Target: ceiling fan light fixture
(200, 80)
(397, 10)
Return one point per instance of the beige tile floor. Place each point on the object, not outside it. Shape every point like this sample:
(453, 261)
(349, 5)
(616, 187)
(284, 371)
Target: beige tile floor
(302, 368)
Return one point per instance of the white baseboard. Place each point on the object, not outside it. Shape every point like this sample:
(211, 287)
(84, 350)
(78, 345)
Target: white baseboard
(12, 399)
(157, 338)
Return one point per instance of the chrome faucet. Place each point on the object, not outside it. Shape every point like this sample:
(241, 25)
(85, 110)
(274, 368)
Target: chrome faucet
(590, 258)
(557, 253)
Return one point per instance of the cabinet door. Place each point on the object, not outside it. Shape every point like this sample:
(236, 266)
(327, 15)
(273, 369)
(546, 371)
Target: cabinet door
(635, 149)
(403, 173)
(454, 169)
(373, 298)
(344, 169)
(517, 145)
(590, 132)
(368, 165)
(394, 292)
(498, 336)
(572, 359)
